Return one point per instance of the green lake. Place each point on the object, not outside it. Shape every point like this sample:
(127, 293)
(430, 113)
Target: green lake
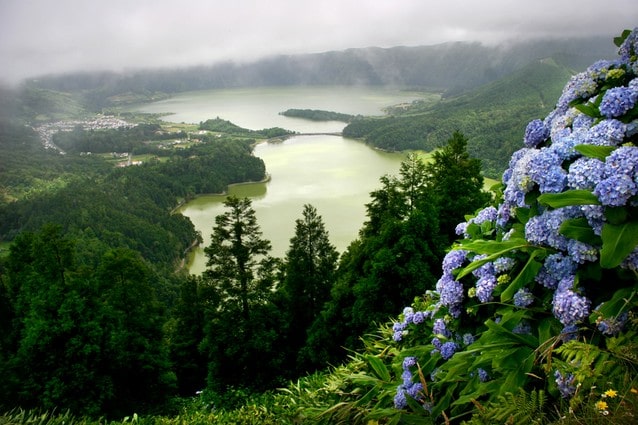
(333, 173)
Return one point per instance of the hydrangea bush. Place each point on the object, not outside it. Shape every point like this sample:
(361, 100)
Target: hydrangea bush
(554, 265)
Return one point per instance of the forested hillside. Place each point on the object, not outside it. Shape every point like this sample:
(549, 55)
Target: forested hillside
(492, 116)
(450, 67)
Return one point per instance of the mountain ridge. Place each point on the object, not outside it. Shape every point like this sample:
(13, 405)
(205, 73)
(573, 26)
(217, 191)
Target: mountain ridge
(453, 66)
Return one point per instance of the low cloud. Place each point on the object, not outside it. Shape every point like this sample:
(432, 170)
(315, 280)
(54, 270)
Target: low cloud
(40, 36)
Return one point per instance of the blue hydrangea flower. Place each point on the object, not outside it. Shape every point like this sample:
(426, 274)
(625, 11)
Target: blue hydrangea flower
(585, 173)
(582, 123)
(484, 288)
(415, 390)
(407, 376)
(409, 362)
(614, 325)
(400, 402)
(580, 86)
(453, 260)
(629, 48)
(569, 307)
(485, 215)
(595, 215)
(461, 229)
(543, 229)
(522, 328)
(631, 262)
(468, 339)
(546, 171)
(623, 160)
(408, 315)
(556, 267)
(448, 349)
(563, 145)
(615, 190)
(581, 252)
(608, 132)
(523, 298)
(519, 182)
(569, 333)
(535, 133)
(617, 101)
(450, 292)
(439, 328)
(565, 384)
(485, 270)
(398, 326)
(418, 318)
(503, 264)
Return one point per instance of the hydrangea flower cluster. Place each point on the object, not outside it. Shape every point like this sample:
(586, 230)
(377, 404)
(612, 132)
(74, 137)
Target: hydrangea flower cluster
(572, 185)
(408, 387)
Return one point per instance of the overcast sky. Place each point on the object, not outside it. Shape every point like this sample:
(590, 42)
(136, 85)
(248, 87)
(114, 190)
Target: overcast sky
(51, 36)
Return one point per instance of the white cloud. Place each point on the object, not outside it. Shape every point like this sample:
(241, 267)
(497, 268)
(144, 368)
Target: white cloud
(42, 36)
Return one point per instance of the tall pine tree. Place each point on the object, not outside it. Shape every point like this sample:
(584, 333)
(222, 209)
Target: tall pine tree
(241, 322)
(310, 266)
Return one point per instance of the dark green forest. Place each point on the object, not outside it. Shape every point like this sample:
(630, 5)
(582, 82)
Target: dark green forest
(98, 310)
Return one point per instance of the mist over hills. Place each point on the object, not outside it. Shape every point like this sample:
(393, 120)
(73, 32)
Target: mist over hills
(452, 67)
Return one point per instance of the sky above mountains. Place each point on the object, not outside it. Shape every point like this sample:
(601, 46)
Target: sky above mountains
(39, 37)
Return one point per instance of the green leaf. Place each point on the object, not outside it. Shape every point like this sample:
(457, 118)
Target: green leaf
(567, 198)
(619, 302)
(618, 41)
(379, 368)
(616, 215)
(526, 275)
(494, 250)
(579, 229)
(588, 109)
(594, 151)
(618, 242)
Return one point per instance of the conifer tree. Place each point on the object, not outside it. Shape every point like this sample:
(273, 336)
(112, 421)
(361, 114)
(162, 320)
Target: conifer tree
(242, 325)
(310, 266)
(456, 184)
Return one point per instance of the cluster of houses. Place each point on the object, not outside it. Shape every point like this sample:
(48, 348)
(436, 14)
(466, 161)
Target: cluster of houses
(101, 122)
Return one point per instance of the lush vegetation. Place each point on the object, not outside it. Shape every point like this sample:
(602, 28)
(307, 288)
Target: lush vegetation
(224, 126)
(317, 115)
(249, 322)
(493, 117)
(525, 312)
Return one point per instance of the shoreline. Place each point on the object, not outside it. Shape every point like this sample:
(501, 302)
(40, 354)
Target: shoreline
(183, 202)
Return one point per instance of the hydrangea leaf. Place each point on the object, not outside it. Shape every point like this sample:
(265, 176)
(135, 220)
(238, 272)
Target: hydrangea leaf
(526, 275)
(579, 229)
(493, 249)
(595, 151)
(618, 41)
(588, 109)
(617, 304)
(619, 240)
(568, 198)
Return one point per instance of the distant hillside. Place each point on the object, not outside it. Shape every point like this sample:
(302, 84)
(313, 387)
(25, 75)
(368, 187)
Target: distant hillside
(454, 67)
(492, 116)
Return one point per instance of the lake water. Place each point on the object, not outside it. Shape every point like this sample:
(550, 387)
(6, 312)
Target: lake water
(333, 173)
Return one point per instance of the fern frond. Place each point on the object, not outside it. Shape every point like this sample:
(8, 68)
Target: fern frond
(520, 408)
